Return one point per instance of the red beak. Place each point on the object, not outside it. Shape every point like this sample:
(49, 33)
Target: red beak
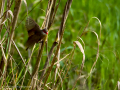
(45, 32)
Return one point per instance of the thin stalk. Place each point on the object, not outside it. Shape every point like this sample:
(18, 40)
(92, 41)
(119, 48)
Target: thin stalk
(52, 17)
(45, 25)
(61, 31)
(15, 13)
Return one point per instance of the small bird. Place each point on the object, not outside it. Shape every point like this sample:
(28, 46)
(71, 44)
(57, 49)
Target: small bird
(34, 32)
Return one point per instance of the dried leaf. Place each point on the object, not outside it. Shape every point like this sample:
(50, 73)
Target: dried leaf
(4, 17)
(10, 12)
(80, 47)
(26, 5)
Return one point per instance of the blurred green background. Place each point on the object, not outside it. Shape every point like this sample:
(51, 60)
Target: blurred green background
(106, 71)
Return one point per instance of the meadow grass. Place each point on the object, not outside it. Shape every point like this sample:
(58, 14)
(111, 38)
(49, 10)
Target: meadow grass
(82, 50)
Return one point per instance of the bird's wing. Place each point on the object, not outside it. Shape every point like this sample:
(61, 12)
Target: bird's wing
(31, 26)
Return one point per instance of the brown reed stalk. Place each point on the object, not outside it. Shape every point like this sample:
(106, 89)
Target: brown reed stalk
(45, 25)
(16, 12)
(2, 3)
(14, 22)
(52, 17)
(61, 31)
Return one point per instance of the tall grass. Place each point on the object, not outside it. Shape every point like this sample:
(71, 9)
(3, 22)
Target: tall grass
(80, 52)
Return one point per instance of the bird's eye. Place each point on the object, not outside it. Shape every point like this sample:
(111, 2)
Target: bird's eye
(45, 32)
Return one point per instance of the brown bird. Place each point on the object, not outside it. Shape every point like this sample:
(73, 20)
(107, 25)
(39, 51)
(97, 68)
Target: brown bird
(34, 32)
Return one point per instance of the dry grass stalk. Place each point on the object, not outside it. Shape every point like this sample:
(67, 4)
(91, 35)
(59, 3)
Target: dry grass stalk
(27, 66)
(97, 55)
(21, 57)
(2, 3)
(45, 25)
(52, 16)
(15, 13)
(61, 31)
(3, 18)
(40, 51)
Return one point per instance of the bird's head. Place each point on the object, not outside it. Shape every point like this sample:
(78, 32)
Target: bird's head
(45, 31)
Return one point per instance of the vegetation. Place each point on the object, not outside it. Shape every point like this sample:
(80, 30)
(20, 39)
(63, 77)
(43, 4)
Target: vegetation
(81, 51)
